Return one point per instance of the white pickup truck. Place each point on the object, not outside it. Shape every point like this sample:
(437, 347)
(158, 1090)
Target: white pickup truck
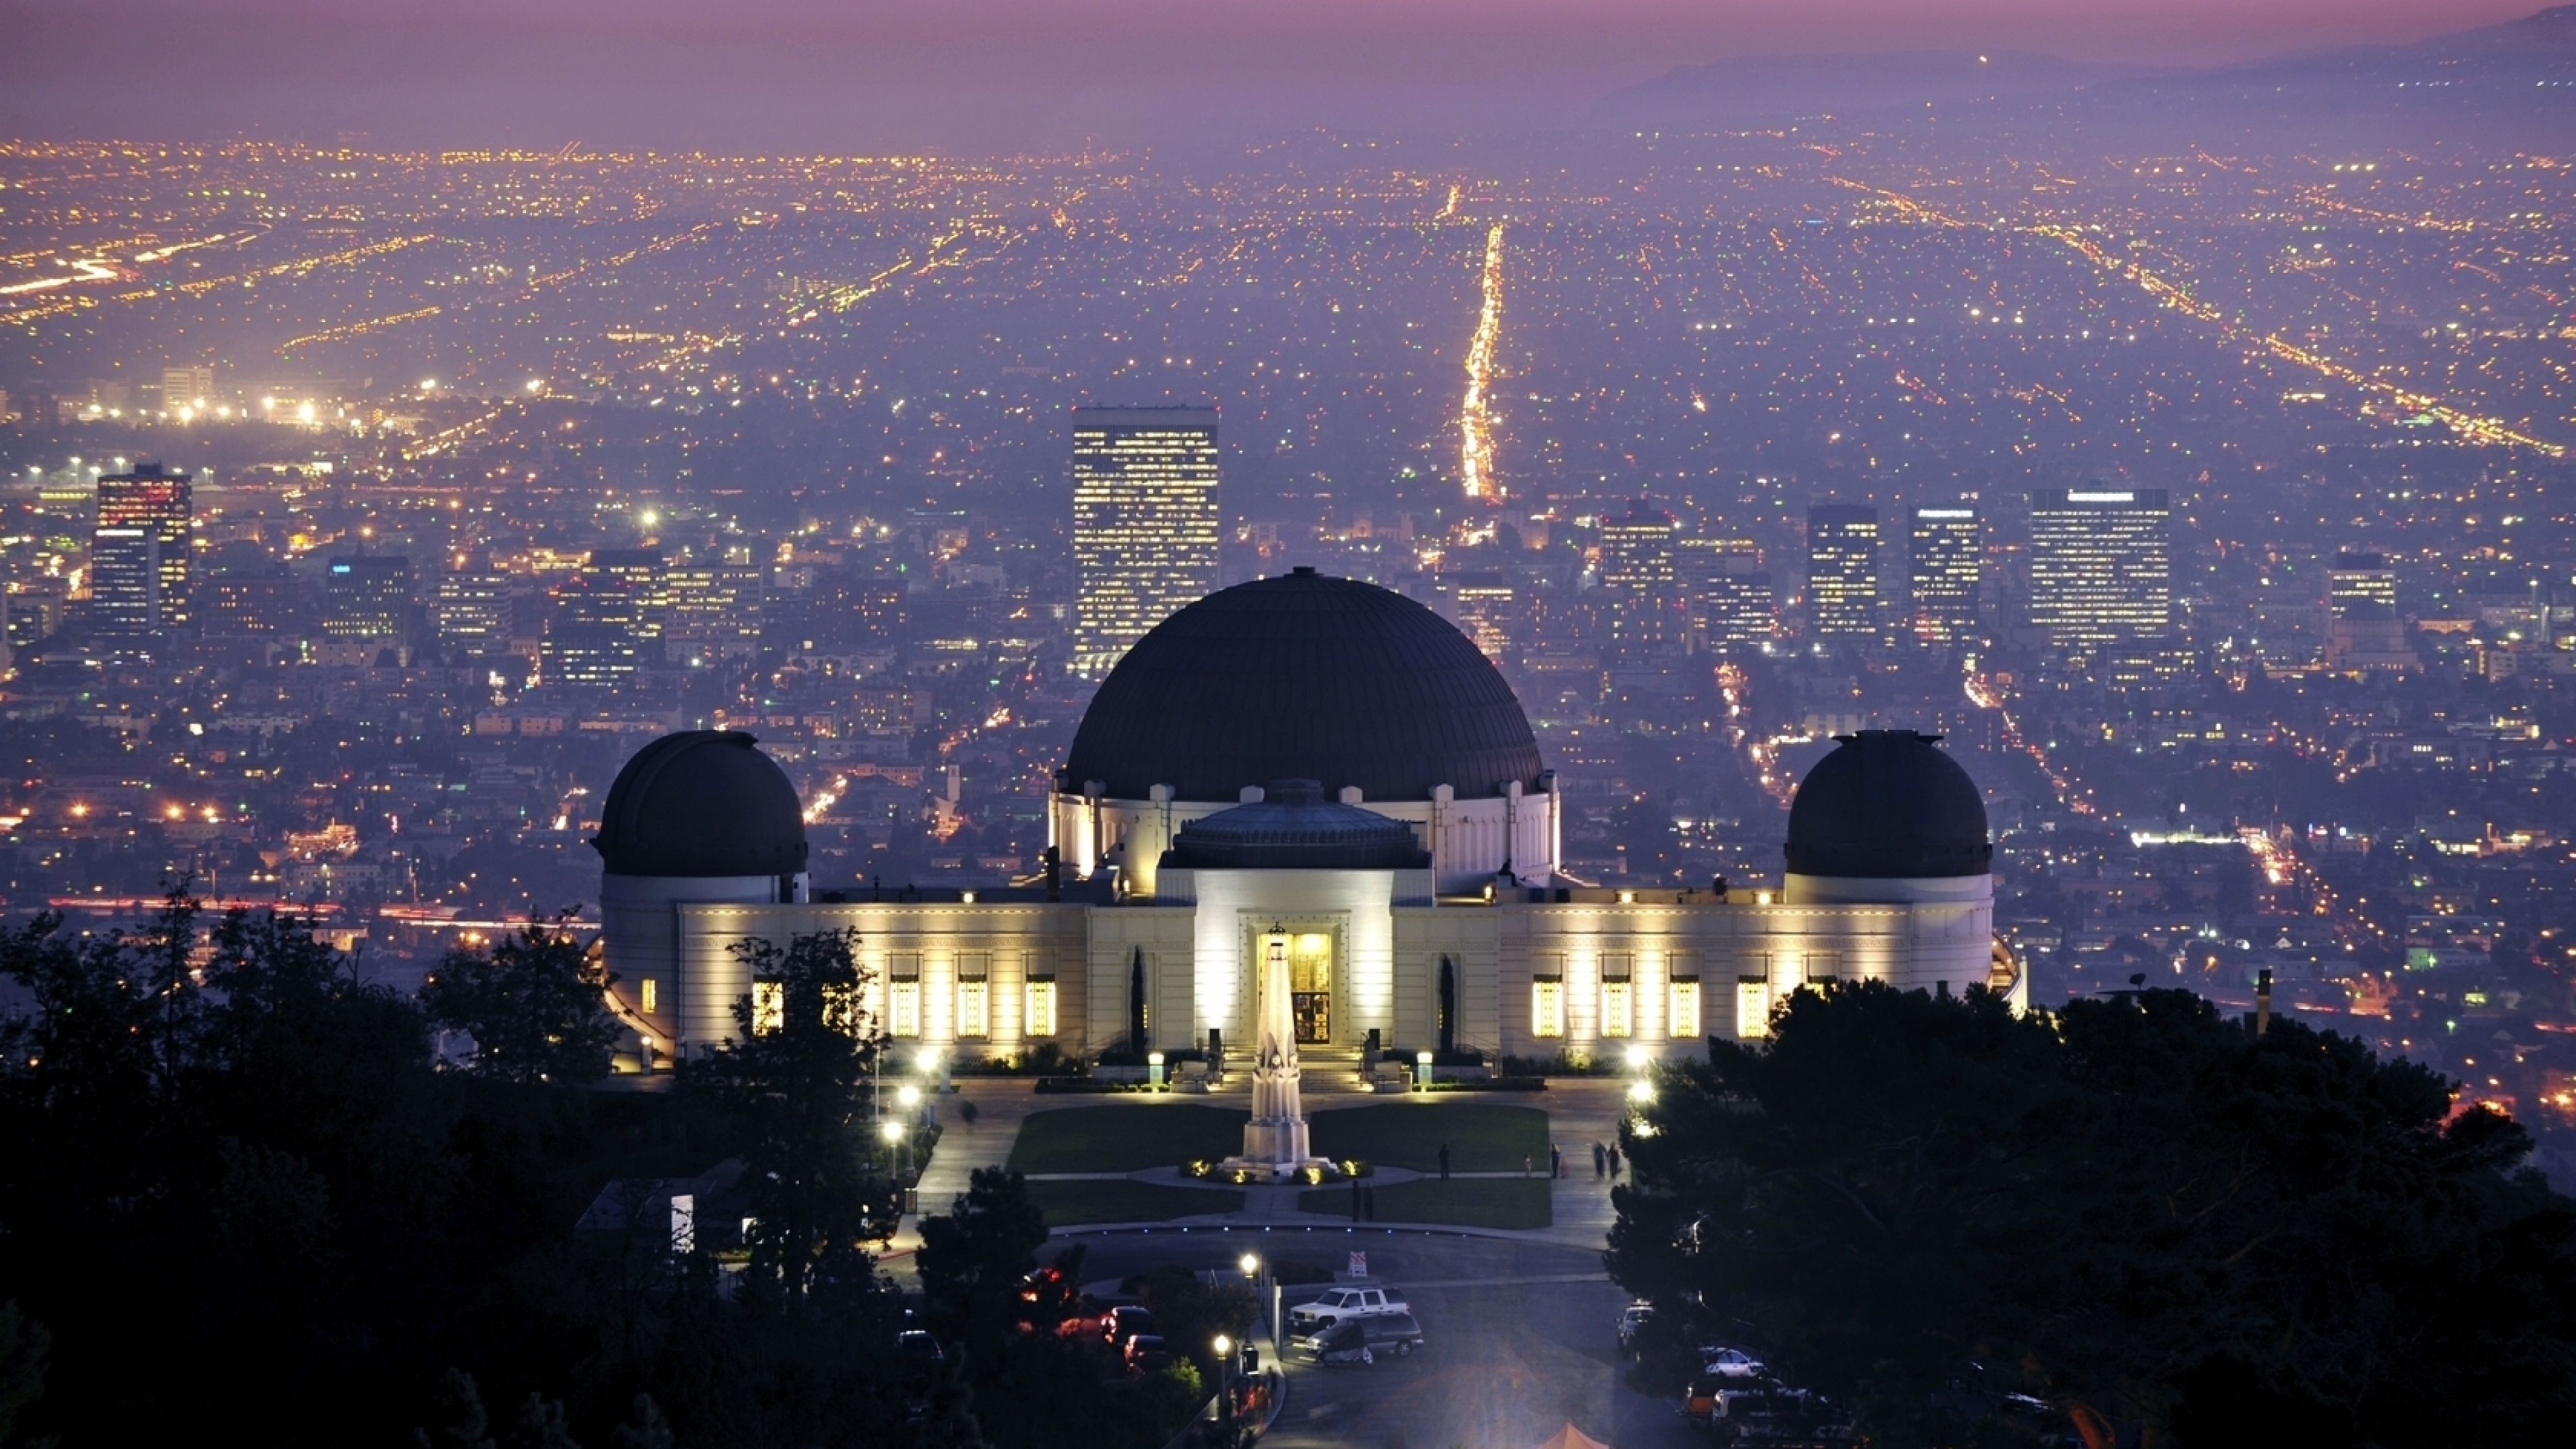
(1348, 1301)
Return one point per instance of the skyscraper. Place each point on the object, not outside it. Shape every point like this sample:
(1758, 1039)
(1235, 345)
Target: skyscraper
(365, 598)
(1727, 594)
(1947, 551)
(1842, 572)
(1489, 611)
(2101, 567)
(1637, 575)
(639, 571)
(472, 609)
(1145, 523)
(125, 593)
(2361, 578)
(157, 502)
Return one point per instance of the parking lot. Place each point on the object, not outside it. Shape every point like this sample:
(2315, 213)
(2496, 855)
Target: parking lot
(1520, 1339)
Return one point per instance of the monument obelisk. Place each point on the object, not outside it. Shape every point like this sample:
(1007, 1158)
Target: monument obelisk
(1274, 1141)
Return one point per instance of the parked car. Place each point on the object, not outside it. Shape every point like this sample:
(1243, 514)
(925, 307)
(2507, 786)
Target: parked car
(916, 1349)
(1360, 1340)
(1336, 1304)
(1340, 1342)
(1728, 1363)
(1146, 1353)
(1396, 1333)
(1774, 1414)
(1632, 1321)
(1121, 1324)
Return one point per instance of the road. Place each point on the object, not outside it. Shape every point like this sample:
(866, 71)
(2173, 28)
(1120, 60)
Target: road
(1520, 1340)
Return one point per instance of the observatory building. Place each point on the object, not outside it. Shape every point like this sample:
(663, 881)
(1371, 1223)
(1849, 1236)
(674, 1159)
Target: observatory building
(1321, 770)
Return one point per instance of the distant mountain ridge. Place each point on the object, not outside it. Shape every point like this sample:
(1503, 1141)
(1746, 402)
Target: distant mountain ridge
(1756, 89)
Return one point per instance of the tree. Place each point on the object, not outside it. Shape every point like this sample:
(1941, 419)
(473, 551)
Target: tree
(534, 1005)
(2135, 1210)
(23, 1346)
(973, 1260)
(797, 1083)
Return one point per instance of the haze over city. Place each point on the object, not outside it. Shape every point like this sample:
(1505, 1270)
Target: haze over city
(1799, 724)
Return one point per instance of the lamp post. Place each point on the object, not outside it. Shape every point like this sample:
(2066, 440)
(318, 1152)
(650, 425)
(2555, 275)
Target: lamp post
(908, 1097)
(1225, 1388)
(895, 1136)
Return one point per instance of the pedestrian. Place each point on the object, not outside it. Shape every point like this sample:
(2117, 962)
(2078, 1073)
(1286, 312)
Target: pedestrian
(1614, 1163)
(1555, 1161)
(1600, 1160)
(1444, 1162)
(1355, 1199)
(966, 1113)
(1525, 1164)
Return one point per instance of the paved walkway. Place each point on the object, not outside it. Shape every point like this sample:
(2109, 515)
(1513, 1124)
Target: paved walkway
(1580, 1112)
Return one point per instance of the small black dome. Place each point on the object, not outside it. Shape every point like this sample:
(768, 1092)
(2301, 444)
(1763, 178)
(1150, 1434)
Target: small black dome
(702, 803)
(1886, 805)
(1310, 677)
(1293, 827)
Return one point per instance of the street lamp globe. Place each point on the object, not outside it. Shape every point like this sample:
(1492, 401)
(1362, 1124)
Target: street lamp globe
(909, 1095)
(1224, 1345)
(893, 1131)
(1250, 1263)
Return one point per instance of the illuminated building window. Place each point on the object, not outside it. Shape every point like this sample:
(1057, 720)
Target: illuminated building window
(841, 1007)
(974, 995)
(903, 997)
(768, 1007)
(1618, 997)
(1682, 1017)
(651, 992)
(1752, 1007)
(1547, 1007)
(1041, 1018)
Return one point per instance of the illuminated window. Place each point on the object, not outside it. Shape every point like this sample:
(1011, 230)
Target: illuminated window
(1752, 1006)
(1618, 995)
(903, 995)
(1547, 1007)
(1042, 1007)
(768, 1007)
(652, 995)
(1683, 1016)
(974, 996)
(841, 1007)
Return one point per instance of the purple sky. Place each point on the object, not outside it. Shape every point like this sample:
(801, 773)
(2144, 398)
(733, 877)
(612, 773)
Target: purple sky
(863, 74)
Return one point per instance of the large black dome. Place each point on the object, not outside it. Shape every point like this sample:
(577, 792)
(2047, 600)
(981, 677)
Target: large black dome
(702, 803)
(1886, 805)
(1306, 677)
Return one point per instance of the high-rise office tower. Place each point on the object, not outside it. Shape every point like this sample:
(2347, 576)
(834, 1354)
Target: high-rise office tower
(1842, 572)
(639, 571)
(366, 597)
(1947, 553)
(157, 501)
(716, 611)
(187, 387)
(1144, 523)
(248, 603)
(2101, 567)
(2361, 578)
(1637, 575)
(125, 607)
(1727, 592)
(1489, 611)
(473, 610)
(593, 640)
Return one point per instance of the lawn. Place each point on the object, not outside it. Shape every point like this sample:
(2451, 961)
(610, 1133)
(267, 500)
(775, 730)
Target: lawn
(1068, 1201)
(1482, 1136)
(1123, 1138)
(1465, 1202)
